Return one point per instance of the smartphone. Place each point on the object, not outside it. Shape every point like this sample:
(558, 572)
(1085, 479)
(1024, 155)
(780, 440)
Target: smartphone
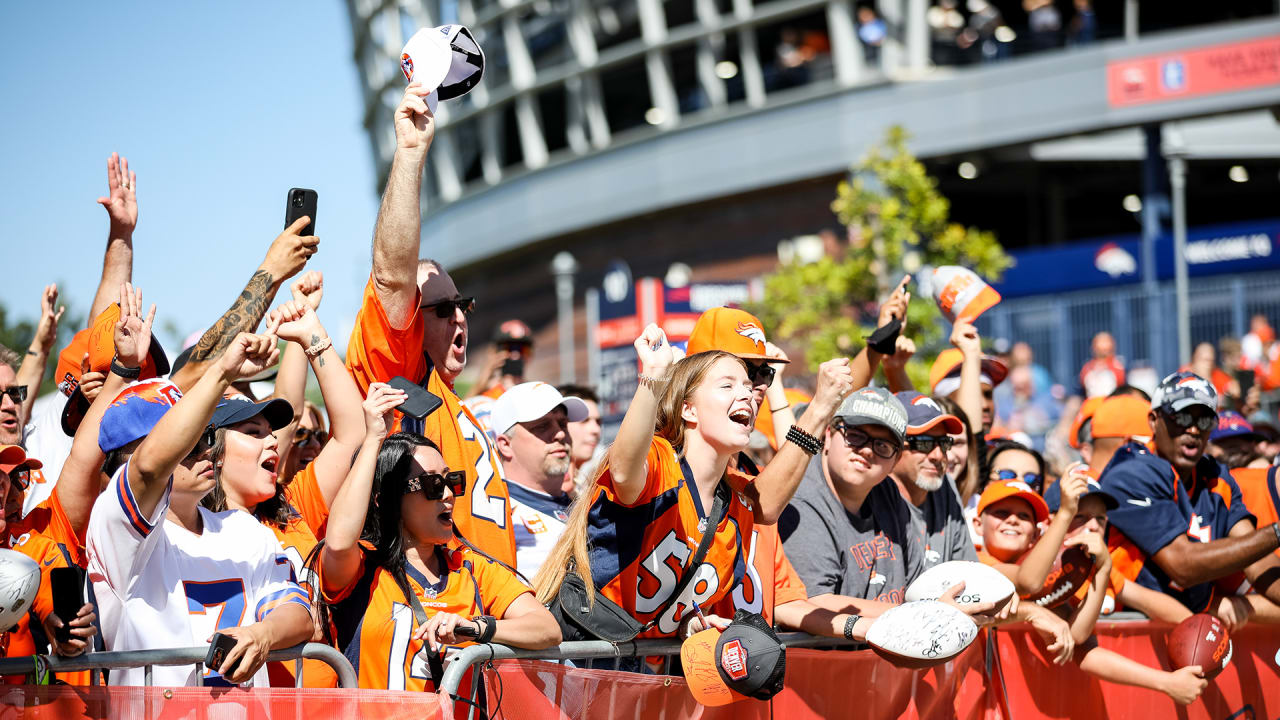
(465, 631)
(419, 403)
(301, 201)
(66, 585)
(513, 366)
(1245, 379)
(218, 651)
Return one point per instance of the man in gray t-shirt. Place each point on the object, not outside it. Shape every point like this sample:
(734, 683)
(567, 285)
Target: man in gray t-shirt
(846, 530)
(937, 528)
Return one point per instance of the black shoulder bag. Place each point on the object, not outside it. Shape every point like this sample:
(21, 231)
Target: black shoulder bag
(581, 619)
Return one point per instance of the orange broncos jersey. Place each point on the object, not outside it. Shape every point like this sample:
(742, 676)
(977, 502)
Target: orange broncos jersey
(28, 637)
(375, 626)
(770, 581)
(378, 352)
(298, 538)
(639, 551)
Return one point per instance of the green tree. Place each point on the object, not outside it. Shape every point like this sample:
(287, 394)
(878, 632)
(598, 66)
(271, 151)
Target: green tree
(897, 222)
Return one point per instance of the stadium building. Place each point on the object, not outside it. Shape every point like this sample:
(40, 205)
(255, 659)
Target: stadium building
(712, 133)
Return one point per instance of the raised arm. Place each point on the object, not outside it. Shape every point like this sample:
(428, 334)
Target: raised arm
(291, 380)
(397, 235)
(340, 557)
(635, 435)
(285, 258)
(78, 484)
(893, 311)
(31, 372)
(1034, 569)
(784, 415)
(297, 322)
(121, 204)
(177, 432)
(969, 397)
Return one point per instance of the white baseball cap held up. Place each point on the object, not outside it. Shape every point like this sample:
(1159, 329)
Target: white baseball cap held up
(447, 60)
(529, 401)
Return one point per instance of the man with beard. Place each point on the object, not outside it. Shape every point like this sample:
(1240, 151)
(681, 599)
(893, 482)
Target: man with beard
(937, 524)
(531, 423)
(1181, 513)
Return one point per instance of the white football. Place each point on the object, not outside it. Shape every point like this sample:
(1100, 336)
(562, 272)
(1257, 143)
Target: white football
(982, 583)
(19, 581)
(921, 634)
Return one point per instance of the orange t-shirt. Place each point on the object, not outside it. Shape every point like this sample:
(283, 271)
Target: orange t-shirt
(378, 352)
(376, 626)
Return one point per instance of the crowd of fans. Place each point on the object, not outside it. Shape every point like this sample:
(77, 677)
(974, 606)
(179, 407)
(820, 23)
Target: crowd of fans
(198, 507)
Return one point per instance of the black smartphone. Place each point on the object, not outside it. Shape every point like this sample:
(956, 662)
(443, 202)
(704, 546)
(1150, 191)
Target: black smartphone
(301, 201)
(1245, 379)
(218, 651)
(466, 631)
(66, 585)
(513, 366)
(419, 403)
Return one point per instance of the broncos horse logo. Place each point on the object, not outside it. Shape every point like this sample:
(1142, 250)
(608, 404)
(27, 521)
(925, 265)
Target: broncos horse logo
(751, 331)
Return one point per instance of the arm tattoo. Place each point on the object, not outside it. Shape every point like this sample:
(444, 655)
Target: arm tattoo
(243, 316)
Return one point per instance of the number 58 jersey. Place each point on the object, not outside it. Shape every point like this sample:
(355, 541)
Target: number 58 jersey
(160, 586)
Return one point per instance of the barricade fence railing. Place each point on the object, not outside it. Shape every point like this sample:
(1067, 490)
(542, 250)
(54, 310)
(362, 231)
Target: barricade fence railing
(146, 659)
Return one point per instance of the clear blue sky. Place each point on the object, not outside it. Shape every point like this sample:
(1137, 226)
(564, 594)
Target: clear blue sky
(220, 109)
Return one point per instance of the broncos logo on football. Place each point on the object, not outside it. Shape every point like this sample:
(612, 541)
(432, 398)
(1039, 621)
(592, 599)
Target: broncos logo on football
(751, 331)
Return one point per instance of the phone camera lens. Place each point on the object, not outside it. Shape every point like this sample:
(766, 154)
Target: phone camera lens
(297, 201)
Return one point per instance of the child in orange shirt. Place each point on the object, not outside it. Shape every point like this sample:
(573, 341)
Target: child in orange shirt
(1008, 514)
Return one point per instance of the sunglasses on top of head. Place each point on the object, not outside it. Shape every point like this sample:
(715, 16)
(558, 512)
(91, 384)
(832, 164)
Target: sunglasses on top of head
(432, 485)
(446, 308)
(760, 373)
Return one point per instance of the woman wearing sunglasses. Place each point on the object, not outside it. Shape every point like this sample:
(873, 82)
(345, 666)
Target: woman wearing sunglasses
(398, 593)
(1009, 460)
(246, 460)
(648, 506)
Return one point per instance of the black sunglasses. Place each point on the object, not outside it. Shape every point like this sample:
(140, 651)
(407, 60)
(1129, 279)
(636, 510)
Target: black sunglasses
(16, 393)
(446, 308)
(926, 443)
(432, 485)
(857, 439)
(1184, 420)
(20, 477)
(302, 436)
(206, 441)
(760, 373)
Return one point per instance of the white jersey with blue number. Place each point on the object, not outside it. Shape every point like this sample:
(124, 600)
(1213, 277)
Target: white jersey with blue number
(538, 521)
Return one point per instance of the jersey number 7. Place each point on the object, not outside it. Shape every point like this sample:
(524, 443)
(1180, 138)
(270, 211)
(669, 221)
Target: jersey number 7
(223, 597)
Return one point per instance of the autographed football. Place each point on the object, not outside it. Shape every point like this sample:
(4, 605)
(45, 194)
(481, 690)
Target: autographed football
(19, 581)
(982, 583)
(1201, 640)
(1071, 570)
(921, 634)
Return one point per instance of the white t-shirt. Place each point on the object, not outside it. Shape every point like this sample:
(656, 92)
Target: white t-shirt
(537, 520)
(160, 586)
(44, 440)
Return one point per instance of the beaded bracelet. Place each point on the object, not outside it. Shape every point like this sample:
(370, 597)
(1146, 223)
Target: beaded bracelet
(804, 440)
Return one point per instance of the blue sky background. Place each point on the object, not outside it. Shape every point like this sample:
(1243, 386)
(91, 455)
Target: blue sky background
(220, 109)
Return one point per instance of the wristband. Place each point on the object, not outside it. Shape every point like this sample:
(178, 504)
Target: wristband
(314, 351)
(125, 372)
(489, 630)
(885, 339)
(848, 625)
(780, 407)
(804, 440)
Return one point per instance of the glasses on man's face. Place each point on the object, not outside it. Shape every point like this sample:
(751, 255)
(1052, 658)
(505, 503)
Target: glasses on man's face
(446, 308)
(1030, 478)
(432, 485)
(205, 443)
(857, 439)
(760, 373)
(926, 443)
(303, 436)
(1185, 419)
(16, 393)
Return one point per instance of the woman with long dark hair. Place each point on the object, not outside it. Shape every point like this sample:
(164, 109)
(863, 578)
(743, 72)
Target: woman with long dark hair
(395, 584)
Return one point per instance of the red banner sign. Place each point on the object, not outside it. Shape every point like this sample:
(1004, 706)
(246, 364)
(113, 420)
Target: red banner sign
(1003, 677)
(1203, 71)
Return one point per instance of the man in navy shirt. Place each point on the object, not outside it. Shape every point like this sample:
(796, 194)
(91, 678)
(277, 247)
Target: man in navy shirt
(1182, 523)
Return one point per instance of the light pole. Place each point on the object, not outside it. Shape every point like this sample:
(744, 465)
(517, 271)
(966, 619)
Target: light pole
(564, 267)
(1178, 188)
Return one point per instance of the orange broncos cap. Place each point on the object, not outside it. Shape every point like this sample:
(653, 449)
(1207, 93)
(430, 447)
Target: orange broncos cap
(1086, 413)
(1001, 489)
(949, 361)
(1123, 416)
(730, 330)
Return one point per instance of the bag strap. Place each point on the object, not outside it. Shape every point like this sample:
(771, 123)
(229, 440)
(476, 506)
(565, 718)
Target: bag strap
(718, 510)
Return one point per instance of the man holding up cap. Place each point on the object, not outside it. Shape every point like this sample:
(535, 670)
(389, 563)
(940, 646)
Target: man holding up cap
(413, 323)
(937, 522)
(845, 531)
(1181, 511)
(531, 422)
